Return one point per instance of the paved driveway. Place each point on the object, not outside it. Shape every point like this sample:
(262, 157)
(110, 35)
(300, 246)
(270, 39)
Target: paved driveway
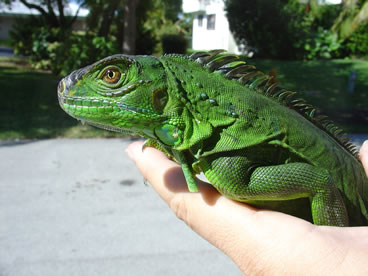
(79, 207)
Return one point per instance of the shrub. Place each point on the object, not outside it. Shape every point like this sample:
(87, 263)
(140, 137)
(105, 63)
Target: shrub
(357, 43)
(21, 34)
(79, 51)
(322, 44)
(269, 28)
(174, 44)
(145, 42)
(57, 50)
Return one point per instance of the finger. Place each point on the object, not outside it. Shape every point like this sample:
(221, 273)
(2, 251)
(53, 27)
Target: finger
(165, 175)
(364, 156)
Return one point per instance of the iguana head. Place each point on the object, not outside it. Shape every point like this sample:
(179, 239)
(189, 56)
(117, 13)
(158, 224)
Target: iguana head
(122, 93)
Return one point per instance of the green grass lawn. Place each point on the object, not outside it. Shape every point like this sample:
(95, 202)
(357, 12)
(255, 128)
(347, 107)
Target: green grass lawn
(324, 84)
(29, 107)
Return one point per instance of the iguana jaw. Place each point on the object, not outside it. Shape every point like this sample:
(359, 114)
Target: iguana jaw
(80, 107)
(109, 114)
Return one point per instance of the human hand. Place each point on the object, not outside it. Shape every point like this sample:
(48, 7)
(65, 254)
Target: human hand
(364, 156)
(258, 241)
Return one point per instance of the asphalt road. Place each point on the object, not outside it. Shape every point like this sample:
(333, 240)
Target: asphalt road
(80, 207)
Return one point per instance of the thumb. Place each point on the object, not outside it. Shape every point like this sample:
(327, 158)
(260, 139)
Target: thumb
(364, 156)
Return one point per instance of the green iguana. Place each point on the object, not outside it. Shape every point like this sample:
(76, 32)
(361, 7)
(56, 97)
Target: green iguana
(214, 114)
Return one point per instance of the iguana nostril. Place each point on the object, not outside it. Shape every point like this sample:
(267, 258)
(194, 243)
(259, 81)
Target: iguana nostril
(67, 82)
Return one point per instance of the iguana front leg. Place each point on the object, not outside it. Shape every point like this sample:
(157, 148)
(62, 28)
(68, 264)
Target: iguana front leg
(237, 179)
(180, 158)
(187, 171)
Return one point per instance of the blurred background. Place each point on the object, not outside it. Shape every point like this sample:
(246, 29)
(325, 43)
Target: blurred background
(317, 48)
(76, 206)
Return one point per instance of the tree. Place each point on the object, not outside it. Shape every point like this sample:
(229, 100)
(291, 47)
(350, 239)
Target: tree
(130, 28)
(51, 43)
(269, 28)
(51, 11)
(353, 14)
(143, 18)
(103, 15)
(135, 24)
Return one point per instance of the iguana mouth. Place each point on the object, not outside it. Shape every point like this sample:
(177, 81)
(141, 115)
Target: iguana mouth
(91, 106)
(80, 105)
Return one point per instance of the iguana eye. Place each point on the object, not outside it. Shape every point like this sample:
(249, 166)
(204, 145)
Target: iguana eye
(111, 75)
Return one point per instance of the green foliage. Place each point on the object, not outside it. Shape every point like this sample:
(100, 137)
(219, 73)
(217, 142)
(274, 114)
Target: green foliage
(322, 44)
(78, 51)
(61, 50)
(22, 34)
(30, 37)
(325, 42)
(52, 49)
(172, 8)
(357, 43)
(153, 18)
(158, 23)
(147, 14)
(323, 16)
(174, 44)
(42, 40)
(284, 29)
(353, 14)
(269, 28)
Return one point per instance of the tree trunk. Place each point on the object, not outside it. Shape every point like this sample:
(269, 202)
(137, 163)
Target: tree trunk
(130, 29)
(107, 18)
(50, 18)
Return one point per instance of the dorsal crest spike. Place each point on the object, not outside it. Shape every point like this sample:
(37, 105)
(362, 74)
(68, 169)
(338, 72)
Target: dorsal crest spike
(246, 77)
(258, 81)
(234, 73)
(285, 96)
(271, 88)
(220, 61)
(234, 68)
(205, 57)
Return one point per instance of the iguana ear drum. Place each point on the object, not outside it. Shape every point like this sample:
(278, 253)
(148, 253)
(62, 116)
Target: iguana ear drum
(159, 99)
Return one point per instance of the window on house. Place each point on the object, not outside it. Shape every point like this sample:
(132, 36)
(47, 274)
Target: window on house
(200, 20)
(211, 20)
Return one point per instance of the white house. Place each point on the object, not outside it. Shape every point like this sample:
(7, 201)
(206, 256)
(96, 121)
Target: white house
(210, 26)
